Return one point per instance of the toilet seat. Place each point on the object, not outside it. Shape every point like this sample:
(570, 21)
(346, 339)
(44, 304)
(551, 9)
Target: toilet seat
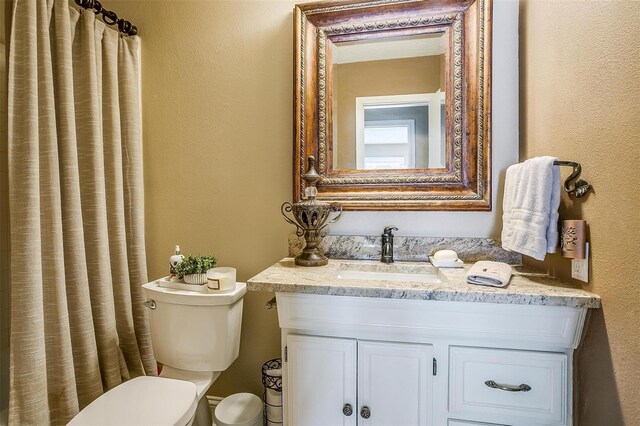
(143, 401)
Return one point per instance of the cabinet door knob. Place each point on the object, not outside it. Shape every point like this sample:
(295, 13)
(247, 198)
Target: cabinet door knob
(509, 388)
(365, 413)
(347, 410)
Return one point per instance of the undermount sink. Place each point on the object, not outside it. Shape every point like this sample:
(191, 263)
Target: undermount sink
(393, 272)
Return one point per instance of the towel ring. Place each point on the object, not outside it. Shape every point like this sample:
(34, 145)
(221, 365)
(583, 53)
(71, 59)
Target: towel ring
(581, 187)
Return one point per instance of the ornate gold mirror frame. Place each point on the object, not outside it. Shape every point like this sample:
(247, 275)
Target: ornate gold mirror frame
(465, 181)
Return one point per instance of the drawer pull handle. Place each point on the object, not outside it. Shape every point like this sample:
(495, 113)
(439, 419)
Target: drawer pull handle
(509, 388)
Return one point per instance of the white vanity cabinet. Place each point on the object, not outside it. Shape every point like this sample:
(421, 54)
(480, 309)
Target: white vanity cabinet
(380, 361)
(338, 381)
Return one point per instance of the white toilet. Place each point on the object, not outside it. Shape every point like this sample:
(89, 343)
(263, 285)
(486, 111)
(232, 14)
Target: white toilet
(195, 336)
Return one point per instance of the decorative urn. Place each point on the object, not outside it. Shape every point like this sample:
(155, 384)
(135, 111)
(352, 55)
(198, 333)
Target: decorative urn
(310, 217)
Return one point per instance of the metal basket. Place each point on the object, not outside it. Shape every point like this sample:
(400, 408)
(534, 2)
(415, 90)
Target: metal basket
(272, 391)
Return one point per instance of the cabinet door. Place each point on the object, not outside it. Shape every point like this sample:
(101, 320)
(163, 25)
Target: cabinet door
(322, 380)
(394, 383)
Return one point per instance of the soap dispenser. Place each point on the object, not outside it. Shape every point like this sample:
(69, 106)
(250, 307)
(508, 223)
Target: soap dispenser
(174, 260)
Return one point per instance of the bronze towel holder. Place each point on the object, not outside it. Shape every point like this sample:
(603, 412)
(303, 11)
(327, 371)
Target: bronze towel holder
(581, 187)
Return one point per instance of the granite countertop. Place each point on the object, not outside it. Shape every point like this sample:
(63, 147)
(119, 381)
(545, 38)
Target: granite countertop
(527, 287)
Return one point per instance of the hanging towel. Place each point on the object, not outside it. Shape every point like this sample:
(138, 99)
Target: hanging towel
(530, 207)
(494, 274)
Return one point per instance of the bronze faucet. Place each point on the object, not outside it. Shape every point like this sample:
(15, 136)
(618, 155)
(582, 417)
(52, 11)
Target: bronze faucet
(387, 244)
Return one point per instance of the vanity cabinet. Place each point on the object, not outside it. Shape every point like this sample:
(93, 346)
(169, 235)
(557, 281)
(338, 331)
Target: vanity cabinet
(338, 381)
(425, 362)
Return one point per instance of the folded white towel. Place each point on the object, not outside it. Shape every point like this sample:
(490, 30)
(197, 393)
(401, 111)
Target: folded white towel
(530, 207)
(495, 274)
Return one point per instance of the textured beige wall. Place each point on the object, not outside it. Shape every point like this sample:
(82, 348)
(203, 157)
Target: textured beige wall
(377, 78)
(580, 91)
(5, 9)
(217, 116)
(217, 129)
(4, 239)
(217, 122)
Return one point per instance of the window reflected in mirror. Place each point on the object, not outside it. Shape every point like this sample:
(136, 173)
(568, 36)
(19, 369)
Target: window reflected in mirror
(388, 103)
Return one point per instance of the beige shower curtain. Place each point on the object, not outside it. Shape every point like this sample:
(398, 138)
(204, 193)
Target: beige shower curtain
(78, 327)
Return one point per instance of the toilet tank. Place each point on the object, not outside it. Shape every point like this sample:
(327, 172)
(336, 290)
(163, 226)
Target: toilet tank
(195, 331)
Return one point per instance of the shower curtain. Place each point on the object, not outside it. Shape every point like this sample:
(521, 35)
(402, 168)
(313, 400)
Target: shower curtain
(78, 327)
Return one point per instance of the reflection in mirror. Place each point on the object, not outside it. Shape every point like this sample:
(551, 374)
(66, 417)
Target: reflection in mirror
(388, 103)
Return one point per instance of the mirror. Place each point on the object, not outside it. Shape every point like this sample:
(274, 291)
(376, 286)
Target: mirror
(393, 99)
(389, 103)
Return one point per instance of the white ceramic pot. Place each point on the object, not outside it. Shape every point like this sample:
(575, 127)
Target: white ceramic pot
(196, 279)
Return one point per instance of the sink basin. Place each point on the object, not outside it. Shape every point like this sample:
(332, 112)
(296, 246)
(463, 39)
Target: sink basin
(394, 272)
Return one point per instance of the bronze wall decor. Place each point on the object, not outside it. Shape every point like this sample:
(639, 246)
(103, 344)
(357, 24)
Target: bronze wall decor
(573, 237)
(310, 217)
(462, 181)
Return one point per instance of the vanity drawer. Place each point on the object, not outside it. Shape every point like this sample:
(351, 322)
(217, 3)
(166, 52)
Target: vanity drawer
(523, 387)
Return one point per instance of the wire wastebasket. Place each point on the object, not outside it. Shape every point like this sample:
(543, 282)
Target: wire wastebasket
(272, 382)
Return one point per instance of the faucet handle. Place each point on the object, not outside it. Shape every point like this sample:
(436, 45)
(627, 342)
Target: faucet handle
(389, 229)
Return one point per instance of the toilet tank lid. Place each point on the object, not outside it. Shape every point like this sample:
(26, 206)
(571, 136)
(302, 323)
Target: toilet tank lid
(183, 297)
(142, 401)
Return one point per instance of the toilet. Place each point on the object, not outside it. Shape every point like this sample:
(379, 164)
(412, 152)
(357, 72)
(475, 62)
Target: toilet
(195, 336)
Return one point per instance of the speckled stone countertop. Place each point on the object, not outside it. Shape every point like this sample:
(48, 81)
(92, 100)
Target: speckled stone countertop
(527, 287)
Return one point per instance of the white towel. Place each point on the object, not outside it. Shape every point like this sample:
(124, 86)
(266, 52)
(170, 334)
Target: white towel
(530, 207)
(494, 274)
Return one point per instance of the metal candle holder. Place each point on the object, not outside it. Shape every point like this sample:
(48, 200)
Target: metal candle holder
(310, 217)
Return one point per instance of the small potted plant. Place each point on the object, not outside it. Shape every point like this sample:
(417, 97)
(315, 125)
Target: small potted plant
(193, 268)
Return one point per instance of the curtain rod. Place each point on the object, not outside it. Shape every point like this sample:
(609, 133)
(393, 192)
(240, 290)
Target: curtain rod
(109, 17)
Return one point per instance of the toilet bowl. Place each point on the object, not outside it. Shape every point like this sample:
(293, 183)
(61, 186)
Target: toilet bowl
(195, 336)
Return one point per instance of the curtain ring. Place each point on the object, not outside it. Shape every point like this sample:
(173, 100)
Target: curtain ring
(86, 4)
(124, 26)
(97, 7)
(109, 17)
